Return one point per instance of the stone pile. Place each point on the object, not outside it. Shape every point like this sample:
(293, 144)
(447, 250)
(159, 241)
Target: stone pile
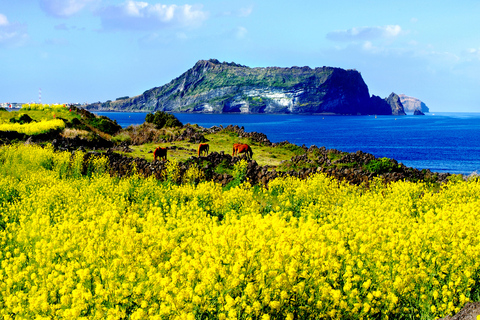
(69, 144)
(122, 166)
(253, 136)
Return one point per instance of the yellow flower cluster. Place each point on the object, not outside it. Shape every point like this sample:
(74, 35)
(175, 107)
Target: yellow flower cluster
(33, 128)
(43, 107)
(77, 246)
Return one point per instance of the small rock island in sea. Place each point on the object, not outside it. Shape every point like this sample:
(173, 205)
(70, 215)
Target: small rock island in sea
(411, 104)
(211, 86)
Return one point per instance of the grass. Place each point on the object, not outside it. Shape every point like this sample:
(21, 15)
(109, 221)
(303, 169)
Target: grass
(221, 141)
(39, 115)
(145, 151)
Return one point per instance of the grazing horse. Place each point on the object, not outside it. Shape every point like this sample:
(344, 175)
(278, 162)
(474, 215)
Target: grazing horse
(242, 148)
(235, 147)
(161, 153)
(203, 148)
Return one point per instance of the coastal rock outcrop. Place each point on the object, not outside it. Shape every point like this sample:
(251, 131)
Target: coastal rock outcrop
(395, 104)
(215, 87)
(410, 104)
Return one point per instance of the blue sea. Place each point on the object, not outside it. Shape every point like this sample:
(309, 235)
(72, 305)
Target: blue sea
(441, 142)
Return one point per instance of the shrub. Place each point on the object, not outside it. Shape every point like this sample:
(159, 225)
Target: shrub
(380, 165)
(163, 119)
(23, 119)
(105, 124)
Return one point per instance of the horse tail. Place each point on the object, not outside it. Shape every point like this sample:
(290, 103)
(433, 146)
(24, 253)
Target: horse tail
(199, 147)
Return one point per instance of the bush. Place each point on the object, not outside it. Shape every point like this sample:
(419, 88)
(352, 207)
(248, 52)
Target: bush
(163, 119)
(23, 119)
(105, 124)
(380, 165)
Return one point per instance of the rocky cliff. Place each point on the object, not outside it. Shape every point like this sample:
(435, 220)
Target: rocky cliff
(411, 104)
(215, 87)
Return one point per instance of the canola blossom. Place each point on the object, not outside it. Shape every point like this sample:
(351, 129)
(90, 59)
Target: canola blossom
(43, 106)
(77, 243)
(34, 128)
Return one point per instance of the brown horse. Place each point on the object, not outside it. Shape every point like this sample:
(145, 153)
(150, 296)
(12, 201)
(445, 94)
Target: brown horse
(160, 153)
(203, 149)
(242, 148)
(235, 147)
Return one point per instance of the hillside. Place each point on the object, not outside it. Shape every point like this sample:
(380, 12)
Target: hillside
(215, 87)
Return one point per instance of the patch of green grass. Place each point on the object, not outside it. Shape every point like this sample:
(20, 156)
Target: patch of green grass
(381, 165)
(218, 142)
(297, 150)
(224, 167)
(346, 165)
(333, 156)
(38, 115)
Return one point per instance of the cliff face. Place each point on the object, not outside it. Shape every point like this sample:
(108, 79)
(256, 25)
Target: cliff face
(395, 104)
(411, 104)
(211, 86)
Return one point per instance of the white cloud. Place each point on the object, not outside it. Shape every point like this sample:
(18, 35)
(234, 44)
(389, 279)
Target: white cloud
(472, 52)
(365, 33)
(134, 15)
(63, 8)
(241, 32)
(12, 34)
(245, 12)
(3, 20)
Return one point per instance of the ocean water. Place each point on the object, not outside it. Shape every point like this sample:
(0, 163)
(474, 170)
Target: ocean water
(441, 142)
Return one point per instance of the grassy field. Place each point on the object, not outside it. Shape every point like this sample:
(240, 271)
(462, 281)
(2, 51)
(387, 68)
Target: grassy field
(39, 115)
(218, 142)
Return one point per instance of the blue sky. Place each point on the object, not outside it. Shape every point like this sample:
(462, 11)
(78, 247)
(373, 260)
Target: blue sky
(97, 50)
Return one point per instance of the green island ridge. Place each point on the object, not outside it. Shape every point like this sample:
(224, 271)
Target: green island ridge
(211, 86)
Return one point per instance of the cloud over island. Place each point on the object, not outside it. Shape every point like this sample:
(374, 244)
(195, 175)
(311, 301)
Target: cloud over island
(136, 15)
(365, 33)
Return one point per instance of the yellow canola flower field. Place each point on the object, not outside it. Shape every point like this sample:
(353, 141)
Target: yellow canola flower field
(80, 244)
(33, 127)
(42, 106)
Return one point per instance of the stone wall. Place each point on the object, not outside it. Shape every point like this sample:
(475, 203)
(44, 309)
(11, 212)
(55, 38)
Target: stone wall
(122, 166)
